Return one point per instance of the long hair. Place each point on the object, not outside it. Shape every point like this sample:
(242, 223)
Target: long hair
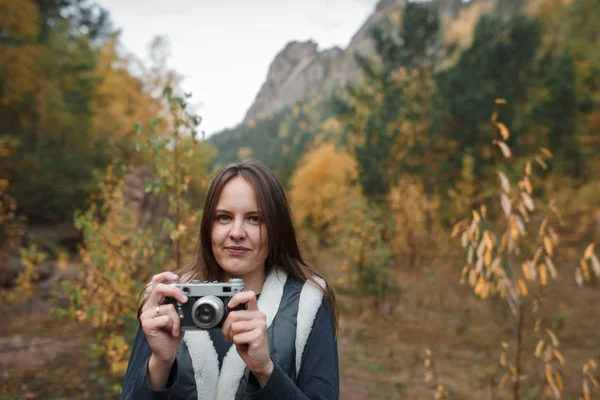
(284, 251)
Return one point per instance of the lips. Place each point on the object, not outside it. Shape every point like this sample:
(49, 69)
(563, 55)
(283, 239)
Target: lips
(236, 250)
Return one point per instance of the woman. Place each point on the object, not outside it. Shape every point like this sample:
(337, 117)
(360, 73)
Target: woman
(281, 346)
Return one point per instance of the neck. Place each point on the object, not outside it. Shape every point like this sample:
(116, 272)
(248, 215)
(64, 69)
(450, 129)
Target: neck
(253, 281)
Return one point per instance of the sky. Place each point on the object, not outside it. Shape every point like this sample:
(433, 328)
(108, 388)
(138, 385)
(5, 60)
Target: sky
(223, 48)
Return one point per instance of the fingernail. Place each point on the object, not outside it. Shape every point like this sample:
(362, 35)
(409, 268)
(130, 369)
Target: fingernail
(185, 298)
(177, 333)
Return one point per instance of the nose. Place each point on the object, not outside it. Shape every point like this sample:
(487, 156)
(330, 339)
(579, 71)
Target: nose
(237, 230)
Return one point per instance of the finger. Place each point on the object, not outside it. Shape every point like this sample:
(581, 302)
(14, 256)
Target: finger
(175, 318)
(152, 325)
(247, 338)
(244, 315)
(245, 326)
(240, 326)
(164, 290)
(166, 276)
(164, 310)
(248, 298)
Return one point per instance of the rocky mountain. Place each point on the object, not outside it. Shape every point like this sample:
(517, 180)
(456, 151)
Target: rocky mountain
(301, 71)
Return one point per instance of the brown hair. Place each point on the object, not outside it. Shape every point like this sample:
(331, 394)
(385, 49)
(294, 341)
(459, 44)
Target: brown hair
(284, 251)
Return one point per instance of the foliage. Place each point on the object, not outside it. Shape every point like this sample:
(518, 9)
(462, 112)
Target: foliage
(367, 260)
(321, 189)
(409, 209)
(10, 224)
(493, 261)
(119, 253)
(68, 95)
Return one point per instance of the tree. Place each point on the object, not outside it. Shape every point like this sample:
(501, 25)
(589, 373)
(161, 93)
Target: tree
(321, 189)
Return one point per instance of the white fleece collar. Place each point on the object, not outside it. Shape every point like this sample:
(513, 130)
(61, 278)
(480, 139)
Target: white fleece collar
(209, 383)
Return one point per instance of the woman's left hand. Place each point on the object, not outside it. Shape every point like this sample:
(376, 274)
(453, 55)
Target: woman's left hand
(247, 329)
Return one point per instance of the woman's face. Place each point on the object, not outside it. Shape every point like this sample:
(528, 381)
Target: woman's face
(239, 235)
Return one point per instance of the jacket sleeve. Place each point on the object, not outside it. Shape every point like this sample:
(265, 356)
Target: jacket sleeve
(318, 378)
(135, 385)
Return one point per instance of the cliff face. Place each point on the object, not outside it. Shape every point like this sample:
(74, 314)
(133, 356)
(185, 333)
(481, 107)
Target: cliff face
(300, 71)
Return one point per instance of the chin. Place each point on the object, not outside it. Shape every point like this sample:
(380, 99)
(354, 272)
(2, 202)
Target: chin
(236, 268)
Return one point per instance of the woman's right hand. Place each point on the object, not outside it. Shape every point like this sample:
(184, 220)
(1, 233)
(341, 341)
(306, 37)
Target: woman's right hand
(160, 322)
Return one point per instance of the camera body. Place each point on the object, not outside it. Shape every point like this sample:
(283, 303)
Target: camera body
(206, 307)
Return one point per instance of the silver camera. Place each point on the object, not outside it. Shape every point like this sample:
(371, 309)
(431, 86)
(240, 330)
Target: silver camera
(206, 307)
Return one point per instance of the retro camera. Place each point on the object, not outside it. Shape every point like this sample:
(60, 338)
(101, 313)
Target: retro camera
(206, 307)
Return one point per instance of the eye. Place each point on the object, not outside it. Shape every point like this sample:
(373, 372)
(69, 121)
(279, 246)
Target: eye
(223, 218)
(255, 219)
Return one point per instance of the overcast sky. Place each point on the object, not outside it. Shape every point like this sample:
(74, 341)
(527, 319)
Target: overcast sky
(223, 48)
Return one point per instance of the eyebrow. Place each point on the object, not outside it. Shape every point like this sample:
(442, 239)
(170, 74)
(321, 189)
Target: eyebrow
(219, 210)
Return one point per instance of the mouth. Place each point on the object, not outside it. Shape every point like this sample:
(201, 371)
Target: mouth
(236, 250)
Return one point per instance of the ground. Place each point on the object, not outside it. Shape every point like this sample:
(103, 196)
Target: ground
(381, 348)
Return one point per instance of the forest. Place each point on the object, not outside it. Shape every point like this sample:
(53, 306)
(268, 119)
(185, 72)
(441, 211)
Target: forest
(452, 197)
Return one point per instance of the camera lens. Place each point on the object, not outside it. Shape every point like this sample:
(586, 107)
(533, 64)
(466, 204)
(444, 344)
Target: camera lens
(208, 312)
(205, 313)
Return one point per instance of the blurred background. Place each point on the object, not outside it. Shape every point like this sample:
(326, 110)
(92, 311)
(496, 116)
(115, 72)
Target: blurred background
(441, 159)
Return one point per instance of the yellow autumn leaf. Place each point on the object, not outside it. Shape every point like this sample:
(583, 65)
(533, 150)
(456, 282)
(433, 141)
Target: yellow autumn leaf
(578, 277)
(488, 257)
(504, 132)
(543, 226)
(585, 270)
(548, 373)
(551, 267)
(456, 229)
(539, 348)
(527, 185)
(541, 162)
(546, 152)
(559, 356)
(548, 245)
(527, 201)
(428, 377)
(503, 380)
(589, 250)
(504, 148)
(543, 275)
(523, 288)
(505, 202)
(528, 168)
(481, 249)
(559, 381)
(504, 182)
(488, 239)
(472, 278)
(553, 337)
(586, 390)
(464, 239)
